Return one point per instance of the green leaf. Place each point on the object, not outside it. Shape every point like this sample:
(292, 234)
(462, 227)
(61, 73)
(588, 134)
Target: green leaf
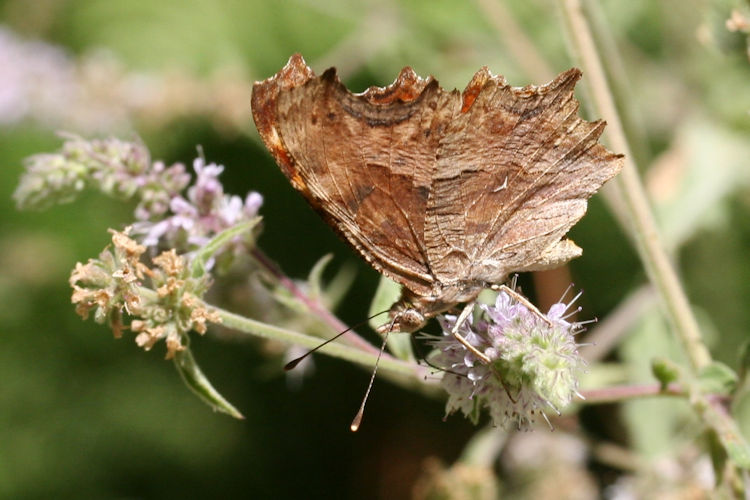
(387, 293)
(728, 435)
(315, 278)
(717, 378)
(198, 267)
(737, 449)
(197, 382)
(340, 284)
(336, 289)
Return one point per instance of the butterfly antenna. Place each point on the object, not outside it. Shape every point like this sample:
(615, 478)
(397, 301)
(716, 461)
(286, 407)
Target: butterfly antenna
(293, 363)
(358, 417)
(422, 358)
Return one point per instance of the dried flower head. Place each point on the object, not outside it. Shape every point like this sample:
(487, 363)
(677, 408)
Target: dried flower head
(533, 368)
(112, 284)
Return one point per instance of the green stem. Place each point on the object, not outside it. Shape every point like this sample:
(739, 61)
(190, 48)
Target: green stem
(484, 447)
(648, 241)
(260, 329)
(313, 305)
(625, 392)
(619, 80)
(405, 374)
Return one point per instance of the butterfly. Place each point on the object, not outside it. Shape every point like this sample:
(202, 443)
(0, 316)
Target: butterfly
(445, 192)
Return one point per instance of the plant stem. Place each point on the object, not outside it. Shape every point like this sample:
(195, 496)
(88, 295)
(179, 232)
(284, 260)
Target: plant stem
(525, 53)
(620, 393)
(402, 372)
(313, 305)
(484, 447)
(648, 242)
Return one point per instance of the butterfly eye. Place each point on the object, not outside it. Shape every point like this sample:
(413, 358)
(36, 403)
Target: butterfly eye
(409, 320)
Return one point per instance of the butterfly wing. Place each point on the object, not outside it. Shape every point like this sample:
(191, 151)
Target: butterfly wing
(364, 162)
(438, 190)
(514, 171)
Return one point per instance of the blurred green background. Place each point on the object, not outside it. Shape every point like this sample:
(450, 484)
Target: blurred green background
(84, 416)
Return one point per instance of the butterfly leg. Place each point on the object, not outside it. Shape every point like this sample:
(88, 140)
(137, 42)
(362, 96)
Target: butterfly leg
(454, 331)
(522, 300)
(468, 309)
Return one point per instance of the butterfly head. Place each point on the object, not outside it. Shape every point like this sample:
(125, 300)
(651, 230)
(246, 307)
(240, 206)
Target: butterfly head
(412, 311)
(405, 317)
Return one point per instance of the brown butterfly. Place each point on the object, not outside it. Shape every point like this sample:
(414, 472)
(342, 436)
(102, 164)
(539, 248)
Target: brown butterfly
(447, 193)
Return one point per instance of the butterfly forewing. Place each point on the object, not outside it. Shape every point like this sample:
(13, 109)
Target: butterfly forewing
(367, 168)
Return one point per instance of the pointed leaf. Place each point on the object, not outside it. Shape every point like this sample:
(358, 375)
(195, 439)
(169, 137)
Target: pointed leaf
(386, 294)
(717, 378)
(197, 382)
(315, 278)
(204, 254)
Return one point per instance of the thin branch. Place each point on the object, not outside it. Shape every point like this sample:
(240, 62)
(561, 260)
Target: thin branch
(608, 333)
(621, 393)
(405, 374)
(648, 241)
(525, 53)
(313, 305)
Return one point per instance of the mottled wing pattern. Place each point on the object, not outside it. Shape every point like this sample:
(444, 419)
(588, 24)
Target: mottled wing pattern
(438, 190)
(366, 167)
(514, 171)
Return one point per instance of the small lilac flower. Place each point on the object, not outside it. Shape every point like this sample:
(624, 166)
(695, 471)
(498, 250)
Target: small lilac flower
(533, 362)
(118, 168)
(191, 222)
(168, 215)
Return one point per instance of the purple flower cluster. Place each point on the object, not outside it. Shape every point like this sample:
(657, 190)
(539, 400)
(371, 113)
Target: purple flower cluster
(118, 168)
(193, 220)
(533, 362)
(169, 214)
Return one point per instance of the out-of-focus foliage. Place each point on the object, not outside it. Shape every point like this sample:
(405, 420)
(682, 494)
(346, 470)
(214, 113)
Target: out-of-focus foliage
(82, 415)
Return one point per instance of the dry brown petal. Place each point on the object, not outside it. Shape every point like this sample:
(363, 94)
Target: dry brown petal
(190, 301)
(102, 298)
(141, 269)
(125, 274)
(86, 299)
(172, 285)
(149, 337)
(200, 315)
(80, 273)
(737, 22)
(83, 309)
(174, 344)
(129, 246)
(145, 340)
(90, 273)
(132, 302)
(115, 322)
(170, 262)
